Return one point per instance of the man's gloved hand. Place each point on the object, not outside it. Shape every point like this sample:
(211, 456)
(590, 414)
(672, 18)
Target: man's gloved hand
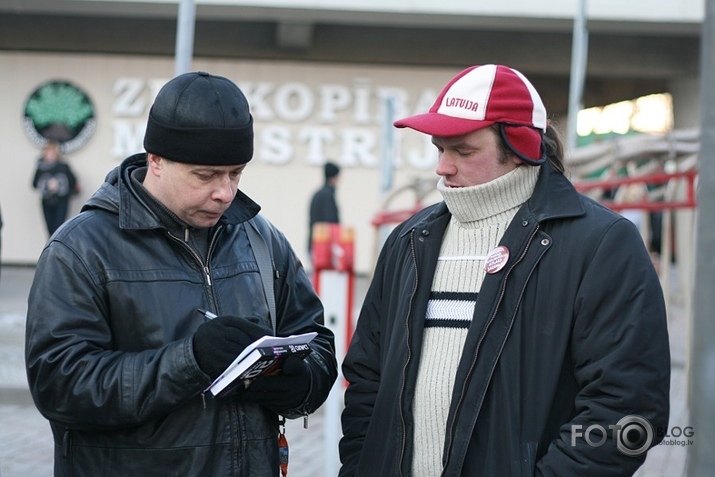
(283, 391)
(219, 341)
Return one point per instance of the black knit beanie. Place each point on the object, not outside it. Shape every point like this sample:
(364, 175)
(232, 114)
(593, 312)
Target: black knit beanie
(330, 170)
(198, 118)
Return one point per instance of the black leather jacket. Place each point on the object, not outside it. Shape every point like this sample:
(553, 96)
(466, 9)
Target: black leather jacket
(109, 352)
(575, 334)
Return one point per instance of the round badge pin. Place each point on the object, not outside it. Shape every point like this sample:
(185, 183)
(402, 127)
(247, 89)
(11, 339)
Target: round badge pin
(496, 259)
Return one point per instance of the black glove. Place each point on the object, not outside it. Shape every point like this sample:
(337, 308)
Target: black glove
(283, 391)
(219, 341)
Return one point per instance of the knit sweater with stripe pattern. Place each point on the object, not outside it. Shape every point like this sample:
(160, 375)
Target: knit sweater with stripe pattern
(480, 215)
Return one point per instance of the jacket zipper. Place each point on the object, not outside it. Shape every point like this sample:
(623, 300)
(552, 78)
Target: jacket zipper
(409, 353)
(205, 268)
(65, 442)
(450, 434)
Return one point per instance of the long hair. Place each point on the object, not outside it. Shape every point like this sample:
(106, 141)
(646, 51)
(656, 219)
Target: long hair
(554, 147)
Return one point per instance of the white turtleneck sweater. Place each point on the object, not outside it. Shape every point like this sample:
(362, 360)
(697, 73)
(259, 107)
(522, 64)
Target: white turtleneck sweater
(480, 215)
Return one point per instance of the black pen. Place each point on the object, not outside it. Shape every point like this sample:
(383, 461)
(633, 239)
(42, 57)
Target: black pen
(207, 314)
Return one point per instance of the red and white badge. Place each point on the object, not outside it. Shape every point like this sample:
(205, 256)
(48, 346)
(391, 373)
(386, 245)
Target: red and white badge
(496, 259)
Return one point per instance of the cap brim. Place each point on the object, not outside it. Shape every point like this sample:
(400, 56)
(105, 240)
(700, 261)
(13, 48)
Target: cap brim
(436, 124)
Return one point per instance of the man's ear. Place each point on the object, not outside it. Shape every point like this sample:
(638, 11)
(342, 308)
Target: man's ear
(515, 159)
(154, 163)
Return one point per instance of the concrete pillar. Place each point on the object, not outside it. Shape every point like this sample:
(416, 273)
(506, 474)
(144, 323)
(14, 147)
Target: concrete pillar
(686, 102)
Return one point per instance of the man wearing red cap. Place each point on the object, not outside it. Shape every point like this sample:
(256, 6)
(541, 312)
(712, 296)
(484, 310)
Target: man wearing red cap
(516, 327)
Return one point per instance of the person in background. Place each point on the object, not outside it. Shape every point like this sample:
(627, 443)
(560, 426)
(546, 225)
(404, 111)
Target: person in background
(323, 204)
(57, 183)
(509, 323)
(119, 351)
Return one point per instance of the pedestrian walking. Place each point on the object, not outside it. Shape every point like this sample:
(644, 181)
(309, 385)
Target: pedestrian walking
(323, 203)
(56, 182)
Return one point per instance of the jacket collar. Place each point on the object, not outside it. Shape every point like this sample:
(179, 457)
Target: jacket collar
(554, 197)
(117, 195)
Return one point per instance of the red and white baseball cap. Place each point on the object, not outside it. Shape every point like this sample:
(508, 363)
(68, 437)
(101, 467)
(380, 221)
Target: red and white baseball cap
(483, 95)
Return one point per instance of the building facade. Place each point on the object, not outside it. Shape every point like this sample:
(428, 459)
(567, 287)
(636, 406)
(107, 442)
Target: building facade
(325, 79)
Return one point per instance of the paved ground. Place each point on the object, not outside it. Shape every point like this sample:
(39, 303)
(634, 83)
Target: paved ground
(26, 442)
(25, 438)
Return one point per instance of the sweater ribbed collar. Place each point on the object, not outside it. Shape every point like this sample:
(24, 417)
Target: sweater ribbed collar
(480, 202)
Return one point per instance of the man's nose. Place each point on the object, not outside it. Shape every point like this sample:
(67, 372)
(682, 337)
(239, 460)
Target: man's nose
(445, 166)
(226, 189)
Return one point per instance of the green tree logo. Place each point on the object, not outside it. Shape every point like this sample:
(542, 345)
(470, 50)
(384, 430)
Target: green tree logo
(59, 111)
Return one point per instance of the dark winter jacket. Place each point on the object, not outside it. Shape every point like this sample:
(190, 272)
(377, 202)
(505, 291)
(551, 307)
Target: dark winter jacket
(62, 173)
(323, 208)
(575, 335)
(109, 350)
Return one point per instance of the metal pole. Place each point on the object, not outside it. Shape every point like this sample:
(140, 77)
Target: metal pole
(335, 294)
(579, 55)
(184, 37)
(387, 157)
(388, 146)
(701, 458)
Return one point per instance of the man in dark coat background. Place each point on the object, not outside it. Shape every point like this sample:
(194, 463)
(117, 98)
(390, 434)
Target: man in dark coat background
(323, 204)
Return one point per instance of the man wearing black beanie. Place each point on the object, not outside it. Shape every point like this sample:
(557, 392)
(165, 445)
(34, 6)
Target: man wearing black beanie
(118, 358)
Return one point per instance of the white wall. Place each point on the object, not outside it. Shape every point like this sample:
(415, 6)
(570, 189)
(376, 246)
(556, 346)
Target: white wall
(462, 12)
(304, 114)
(640, 10)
